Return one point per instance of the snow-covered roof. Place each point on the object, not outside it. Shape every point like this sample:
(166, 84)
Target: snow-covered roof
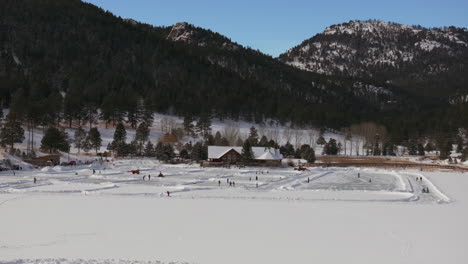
(260, 153)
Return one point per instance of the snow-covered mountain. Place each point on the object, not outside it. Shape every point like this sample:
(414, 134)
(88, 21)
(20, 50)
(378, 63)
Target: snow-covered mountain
(407, 56)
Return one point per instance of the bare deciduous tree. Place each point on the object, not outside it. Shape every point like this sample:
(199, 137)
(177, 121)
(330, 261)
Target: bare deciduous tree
(287, 134)
(231, 133)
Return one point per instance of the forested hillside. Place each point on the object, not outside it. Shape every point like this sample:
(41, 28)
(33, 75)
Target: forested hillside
(68, 60)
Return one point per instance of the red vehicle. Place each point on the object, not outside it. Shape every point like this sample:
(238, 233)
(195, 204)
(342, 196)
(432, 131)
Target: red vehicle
(135, 171)
(72, 163)
(301, 169)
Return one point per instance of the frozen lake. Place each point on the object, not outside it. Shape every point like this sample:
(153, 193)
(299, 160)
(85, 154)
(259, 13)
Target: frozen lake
(326, 215)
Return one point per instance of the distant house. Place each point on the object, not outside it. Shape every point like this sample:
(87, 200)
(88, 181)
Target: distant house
(232, 155)
(168, 139)
(47, 160)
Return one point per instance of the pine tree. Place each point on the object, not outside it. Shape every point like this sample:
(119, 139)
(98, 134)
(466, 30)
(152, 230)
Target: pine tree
(149, 150)
(421, 149)
(309, 155)
(184, 154)
(412, 148)
(331, 148)
(321, 141)
(287, 150)
(119, 142)
(247, 154)
(199, 152)
(263, 142)
(141, 135)
(79, 138)
(188, 125)
(217, 139)
(204, 126)
(253, 136)
(55, 139)
(11, 132)
(94, 138)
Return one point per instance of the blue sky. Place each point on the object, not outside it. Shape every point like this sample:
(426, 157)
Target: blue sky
(274, 26)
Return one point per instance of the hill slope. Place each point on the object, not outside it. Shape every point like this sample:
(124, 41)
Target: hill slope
(426, 62)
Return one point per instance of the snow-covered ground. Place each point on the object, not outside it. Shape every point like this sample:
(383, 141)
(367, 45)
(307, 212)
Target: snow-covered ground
(325, 215)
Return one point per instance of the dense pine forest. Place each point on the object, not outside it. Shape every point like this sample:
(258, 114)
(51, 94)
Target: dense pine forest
(65, 61)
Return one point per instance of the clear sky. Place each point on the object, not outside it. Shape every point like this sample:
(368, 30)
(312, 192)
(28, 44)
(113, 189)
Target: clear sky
(274, 26)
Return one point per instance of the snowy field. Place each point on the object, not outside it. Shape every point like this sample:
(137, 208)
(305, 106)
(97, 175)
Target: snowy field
(325, 215)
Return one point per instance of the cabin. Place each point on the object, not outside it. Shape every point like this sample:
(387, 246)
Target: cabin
(226, 155)
(47, 160)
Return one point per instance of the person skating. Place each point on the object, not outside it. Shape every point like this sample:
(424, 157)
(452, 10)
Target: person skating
(168, 193)
(149, 177)
(35, 180)
(144, 176)
(308, 180)
(219, 183)
(160, 174)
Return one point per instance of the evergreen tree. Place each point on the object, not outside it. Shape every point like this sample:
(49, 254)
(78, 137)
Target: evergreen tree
(287, 150)
(149, 150)
(11, 132)
(389, 149)
(429, 147)
(119, 142)
(132, 148)
(184, 154)
(464, 156)
(188, 125)
(272, 144)
(331, 148)
(247, 153)
(239, 142)
(94, 138)
(421, 149)
(148, 114)
(142, 135)
(79, 138)
(217, 139)
(263, 142)
(309, 155)
(199, 152)
(412, 148)
(55, 140)
(204, 126)
(302, 150)
(321, 141)
(253, 136)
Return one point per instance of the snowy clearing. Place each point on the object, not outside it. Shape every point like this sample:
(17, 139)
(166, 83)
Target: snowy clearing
(328, 215)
